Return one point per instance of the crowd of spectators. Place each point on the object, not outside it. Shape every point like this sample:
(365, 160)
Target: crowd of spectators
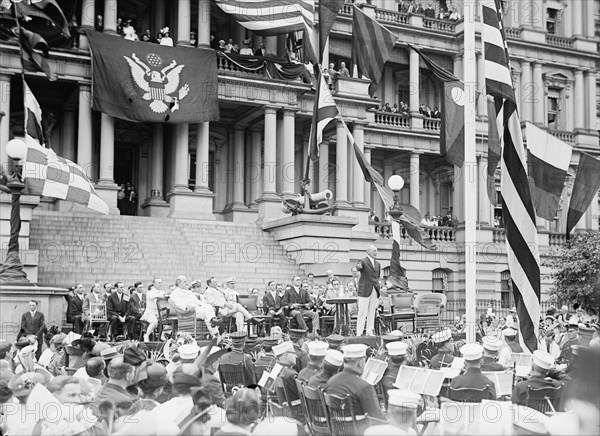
(448, 220)
(440, 10)
(396, 108)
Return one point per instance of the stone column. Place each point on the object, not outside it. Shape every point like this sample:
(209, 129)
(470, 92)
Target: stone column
(341, 163)
(358, 179)
(181, 157)
(84, 131)
(269, 204)
(589, 18)
(184, 16)
(5, 119)
(279, 160)
(458, 61)
(203, 23)
(567, 21)
(255, 168)
(579, 118)
(67, 137)
(516, 78)
(528, 91)
(570, 106)
(238, 167)
(367, 186)
(577, 16)
(323, 163)
(414, 83)
(202, 156)
(591, 100)
(159, 16)
(110, 16)
(88, 18)
(539, 113)
(106, 187)
(481, 101)
(155, 205)
(414, 180)
(287, 156)
(485, 207)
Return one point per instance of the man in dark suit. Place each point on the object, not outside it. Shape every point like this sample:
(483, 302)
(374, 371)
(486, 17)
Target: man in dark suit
(75, 308)
(298, 302)
(33, 323)
(137, 304)
(368, 292)
(117, 306)
(272, 306)
(473, 378)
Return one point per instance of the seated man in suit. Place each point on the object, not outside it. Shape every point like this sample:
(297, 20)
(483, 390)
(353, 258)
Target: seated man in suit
(272, 306)
(117, 306)
(33, 323)
(473, 378)
(298, 302)
(541, 362)
(137, 304)
(75, 308)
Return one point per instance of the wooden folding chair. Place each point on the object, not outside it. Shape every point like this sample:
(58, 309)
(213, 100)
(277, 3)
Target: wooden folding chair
(316, 412)
(231, 375)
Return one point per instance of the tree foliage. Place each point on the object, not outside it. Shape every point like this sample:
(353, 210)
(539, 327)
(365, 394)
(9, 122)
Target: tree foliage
(576, 271)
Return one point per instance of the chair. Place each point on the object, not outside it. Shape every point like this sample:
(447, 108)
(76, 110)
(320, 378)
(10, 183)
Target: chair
(344, 420)
(545, 400)
(402, 310)
(470, 395)
(186, 323)
(164, 316)
(250, 303)
(427, 311)
(98, 315)
(231, 375)
(316, 412)
(297, 406)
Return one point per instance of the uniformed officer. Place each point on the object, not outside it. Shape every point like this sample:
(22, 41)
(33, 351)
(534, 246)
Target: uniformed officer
(491, 347)
(316, 355)
(332, 364)
(444, 357)
(541, 362)
(267, 358)
(298, 336)
(349, 382)
(397, 353)
(402, 414)
(237, 355)
(335, 341)
(286, 357)
(510, 335)
(473, 378)
(566, 352)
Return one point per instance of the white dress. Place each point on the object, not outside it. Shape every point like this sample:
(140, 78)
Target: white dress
(151, 313)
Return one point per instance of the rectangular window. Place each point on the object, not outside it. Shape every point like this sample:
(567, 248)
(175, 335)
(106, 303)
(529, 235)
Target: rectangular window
(551, 20)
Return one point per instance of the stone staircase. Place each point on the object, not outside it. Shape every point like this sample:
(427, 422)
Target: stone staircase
(87, 248)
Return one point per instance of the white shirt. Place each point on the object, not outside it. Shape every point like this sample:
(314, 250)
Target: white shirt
(372, 261)
(183, 298)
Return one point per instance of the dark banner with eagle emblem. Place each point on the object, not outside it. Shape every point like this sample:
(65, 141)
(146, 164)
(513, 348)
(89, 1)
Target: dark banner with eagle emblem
(146, 82)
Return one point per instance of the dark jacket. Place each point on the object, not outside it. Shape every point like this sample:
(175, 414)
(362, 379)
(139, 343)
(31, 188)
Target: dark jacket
(237, 356)
(116, 307)
(489, 364)
(363, 395)
(519, 394)
(473, 379)
(74, 307)
(291, 296)
(136, 306)
(369, 277)
(33, 326)
(271, 304)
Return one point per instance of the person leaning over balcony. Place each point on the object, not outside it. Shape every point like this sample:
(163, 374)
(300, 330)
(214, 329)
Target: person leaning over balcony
(344, 72)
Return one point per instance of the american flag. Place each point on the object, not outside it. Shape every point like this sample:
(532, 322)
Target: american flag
(324, 112)
(518, 212)
(271, 17)
(49, 175)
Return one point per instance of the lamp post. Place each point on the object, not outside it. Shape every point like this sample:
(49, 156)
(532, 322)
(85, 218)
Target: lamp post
(396, 183)
(12, 269)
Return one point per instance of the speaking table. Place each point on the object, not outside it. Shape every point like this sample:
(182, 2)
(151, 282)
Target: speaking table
(342, 316)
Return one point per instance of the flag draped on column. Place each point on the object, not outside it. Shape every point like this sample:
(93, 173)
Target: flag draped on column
(518, 212)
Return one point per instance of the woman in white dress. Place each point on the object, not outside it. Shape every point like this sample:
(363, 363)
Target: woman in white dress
(151, 312)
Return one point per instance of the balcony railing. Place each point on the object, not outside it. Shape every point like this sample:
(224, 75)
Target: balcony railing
(559, 41)
(392, 119)
(554, 239)
(432, 124)
(513, 33)
(441, 25)
(499, 236)
(437, 234)
(391, 16)
(568, 137)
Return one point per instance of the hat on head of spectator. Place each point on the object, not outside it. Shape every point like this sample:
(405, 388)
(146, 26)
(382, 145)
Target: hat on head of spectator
(572, 325)
(491, 343)
(334, 357)
(542, 359)
(443, 336)
(230, 280)
(471, 351)
(71, 337)
(550, 317)
(317, 348)
(22, 384)
(134, 356)
(298, 333)
(397, 348)
(164, 30)
(270, 341)
(238, 338)
(196, 282)
(397, 333)
(513, 310)
(354, 351)
(389, 338)
(152, 375)
(335, 340)
(21, 343)
(401, 398)
(73, 351)
(510, 333)
(284, 347)
(189, 351)
(585, 329)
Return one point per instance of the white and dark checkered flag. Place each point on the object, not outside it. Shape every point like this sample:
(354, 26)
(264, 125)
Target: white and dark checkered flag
(518, 212)
(49, 175)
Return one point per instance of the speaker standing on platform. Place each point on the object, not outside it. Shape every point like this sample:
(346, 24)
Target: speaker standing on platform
(368, 292)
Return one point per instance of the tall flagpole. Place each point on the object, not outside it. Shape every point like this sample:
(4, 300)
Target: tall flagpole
(469, 173)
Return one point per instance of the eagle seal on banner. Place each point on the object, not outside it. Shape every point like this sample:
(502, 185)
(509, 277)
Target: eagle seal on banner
(158, 84)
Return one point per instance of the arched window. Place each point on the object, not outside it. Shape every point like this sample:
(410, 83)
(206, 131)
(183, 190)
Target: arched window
(506, 296)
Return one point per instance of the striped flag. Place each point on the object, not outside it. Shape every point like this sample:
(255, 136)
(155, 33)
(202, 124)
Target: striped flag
(49, 175)
(270, 17)
(518, 212)
(397, 277)
(494, 149)
(328, 10)
(587, 182)
(325, 111)
(548, 160)
(372, 46)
